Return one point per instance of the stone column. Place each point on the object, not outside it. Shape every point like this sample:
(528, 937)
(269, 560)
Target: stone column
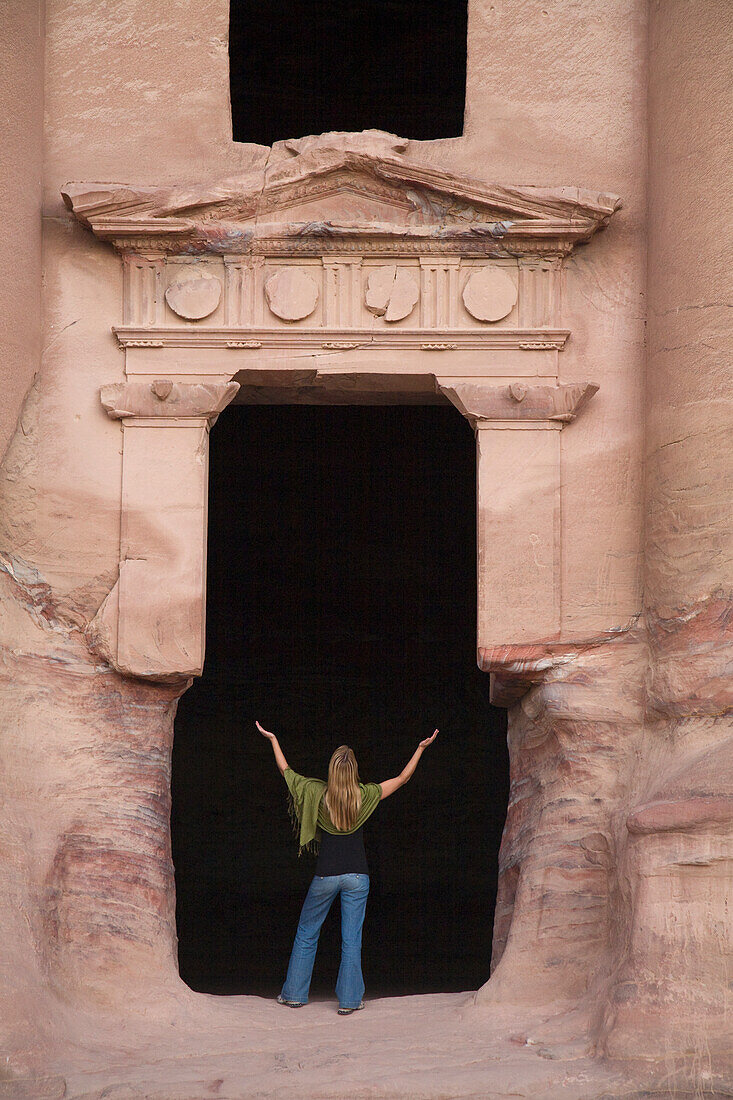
(152, 624)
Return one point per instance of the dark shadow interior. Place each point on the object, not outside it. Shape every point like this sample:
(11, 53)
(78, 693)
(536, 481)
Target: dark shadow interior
(308, 66)
(341, 608)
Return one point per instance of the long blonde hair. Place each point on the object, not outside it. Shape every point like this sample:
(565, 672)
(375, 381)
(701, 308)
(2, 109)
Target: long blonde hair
(343, 796)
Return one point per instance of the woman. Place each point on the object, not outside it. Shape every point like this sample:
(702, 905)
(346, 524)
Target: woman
(330, 818)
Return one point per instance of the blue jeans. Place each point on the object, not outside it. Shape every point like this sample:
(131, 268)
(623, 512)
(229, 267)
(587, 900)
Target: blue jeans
(323, 889)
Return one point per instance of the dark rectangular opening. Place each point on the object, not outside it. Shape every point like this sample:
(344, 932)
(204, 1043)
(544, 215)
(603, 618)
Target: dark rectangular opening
(341, 608)
(308, 66)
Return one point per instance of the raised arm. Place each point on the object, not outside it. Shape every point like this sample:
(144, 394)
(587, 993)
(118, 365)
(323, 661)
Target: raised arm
(279, 757)
(391, 785)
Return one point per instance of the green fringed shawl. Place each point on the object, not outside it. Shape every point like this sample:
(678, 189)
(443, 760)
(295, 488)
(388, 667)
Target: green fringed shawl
(308, 814)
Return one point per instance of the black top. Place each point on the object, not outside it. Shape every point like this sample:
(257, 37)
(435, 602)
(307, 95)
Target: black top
(342, 854)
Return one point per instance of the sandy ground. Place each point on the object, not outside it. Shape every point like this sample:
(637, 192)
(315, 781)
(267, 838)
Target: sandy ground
(197, 1046)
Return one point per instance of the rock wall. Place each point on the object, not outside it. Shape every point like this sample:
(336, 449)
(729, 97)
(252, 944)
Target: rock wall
(574, 742)
(616, 859)
(86, 787)
(640, 858)
(672, 988)
(21, 135)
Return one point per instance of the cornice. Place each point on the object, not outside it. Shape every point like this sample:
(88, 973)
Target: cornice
(175, 336)
(430, 209)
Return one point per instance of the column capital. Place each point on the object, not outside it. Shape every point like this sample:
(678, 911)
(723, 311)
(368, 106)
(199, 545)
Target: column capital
(163, 400)
(518, 404)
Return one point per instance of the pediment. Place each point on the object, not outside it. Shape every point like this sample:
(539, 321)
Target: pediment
(337, 192)
(342, 196)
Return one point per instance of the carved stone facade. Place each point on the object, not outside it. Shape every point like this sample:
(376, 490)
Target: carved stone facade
(370, 268)
(240, 282)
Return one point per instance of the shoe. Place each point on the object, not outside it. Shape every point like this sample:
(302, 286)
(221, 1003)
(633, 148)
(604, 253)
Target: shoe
(348, 1011)
(291, 1004)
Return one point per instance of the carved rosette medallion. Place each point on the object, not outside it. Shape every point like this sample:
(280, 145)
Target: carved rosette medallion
(391, 292)
(195, 297)
(490, 294)
(291, 294)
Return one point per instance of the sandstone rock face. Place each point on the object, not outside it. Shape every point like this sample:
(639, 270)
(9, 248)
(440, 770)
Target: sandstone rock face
(573, 742)
(672, 983)
(605, 523)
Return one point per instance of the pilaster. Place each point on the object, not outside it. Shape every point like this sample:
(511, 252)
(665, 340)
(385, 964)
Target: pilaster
(152, 623)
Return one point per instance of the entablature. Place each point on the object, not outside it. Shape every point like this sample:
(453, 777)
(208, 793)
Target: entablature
(343, 244)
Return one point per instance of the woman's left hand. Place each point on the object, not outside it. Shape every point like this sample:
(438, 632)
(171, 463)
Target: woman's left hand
(264, 732)
(428, 740)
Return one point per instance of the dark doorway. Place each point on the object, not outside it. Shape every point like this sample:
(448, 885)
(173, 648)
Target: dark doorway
(341, 608)
(307, 66)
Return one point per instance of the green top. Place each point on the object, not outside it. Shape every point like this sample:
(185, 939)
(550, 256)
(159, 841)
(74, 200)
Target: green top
(305, 806)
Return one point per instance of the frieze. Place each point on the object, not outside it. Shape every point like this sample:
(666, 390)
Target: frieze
(338, 292)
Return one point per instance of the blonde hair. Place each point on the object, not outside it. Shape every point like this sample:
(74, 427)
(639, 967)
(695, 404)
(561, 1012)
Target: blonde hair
(343, 796)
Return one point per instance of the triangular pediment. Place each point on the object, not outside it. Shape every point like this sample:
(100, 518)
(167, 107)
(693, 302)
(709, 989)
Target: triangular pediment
(343, 195)
(326, 190)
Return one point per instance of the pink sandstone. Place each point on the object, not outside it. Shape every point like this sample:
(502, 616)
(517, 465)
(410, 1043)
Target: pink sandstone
(601, 405)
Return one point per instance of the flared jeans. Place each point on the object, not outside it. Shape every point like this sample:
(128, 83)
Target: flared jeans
(323, 889)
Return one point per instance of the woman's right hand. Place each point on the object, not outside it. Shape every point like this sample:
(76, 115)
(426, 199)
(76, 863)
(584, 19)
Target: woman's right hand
(428, 740)
(267, 734)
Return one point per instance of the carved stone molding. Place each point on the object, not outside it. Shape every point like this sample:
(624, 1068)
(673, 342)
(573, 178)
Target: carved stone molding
(554, 339)
(517, 402)
(316, 198)
(377, 271)
(152, 622)
(165, 399)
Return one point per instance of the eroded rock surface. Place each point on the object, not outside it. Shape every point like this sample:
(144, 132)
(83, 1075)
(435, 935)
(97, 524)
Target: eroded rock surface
(612, 947)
